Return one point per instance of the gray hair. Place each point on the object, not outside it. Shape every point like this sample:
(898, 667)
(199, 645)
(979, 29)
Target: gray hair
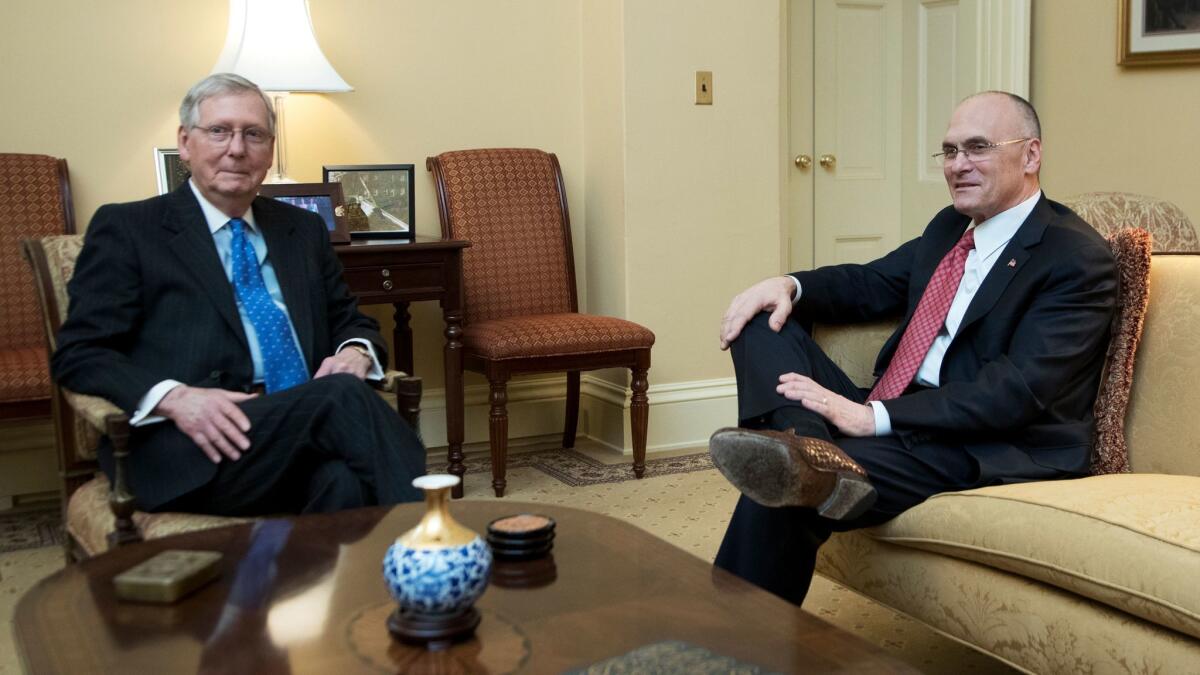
(1031, 125)
(220, 84)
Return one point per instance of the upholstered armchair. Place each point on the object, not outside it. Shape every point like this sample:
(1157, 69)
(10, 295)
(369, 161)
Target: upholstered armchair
(98, 515)
(35, 201)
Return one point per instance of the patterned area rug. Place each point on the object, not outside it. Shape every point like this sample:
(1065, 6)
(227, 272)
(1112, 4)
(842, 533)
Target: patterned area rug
(31, 529)
(43, 527)
(577, 469)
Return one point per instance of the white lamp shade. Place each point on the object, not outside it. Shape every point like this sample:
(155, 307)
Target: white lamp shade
(272, 44)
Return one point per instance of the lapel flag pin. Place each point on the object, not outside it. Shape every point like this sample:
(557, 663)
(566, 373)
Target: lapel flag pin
(1012, 263)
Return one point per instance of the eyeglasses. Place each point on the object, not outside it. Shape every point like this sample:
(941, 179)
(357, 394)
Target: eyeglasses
(219, 135)
(975, 151)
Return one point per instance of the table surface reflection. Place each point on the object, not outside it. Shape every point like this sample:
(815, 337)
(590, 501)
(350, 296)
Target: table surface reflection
(310, 598)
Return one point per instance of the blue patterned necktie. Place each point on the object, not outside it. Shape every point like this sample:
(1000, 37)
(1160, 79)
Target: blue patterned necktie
(282, 366)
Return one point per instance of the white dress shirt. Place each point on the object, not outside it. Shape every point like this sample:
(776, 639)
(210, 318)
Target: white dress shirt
(991, 236)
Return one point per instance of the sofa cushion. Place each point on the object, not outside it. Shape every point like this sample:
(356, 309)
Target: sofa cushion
(1161, 439)
(1131, 541)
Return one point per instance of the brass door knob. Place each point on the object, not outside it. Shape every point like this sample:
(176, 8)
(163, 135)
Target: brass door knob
(803, 161)
(828, 161)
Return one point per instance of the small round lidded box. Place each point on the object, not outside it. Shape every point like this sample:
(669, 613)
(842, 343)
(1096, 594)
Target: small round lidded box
(522, 536)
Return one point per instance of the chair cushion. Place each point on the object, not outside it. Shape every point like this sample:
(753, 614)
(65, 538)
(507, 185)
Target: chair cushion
(553, 335)
(24, 375)
(89, 519)
(1131, 248)
(1131, 541)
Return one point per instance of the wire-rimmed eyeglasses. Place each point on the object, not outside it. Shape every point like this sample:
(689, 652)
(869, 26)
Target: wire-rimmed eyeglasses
(973, 151)
(220, 135)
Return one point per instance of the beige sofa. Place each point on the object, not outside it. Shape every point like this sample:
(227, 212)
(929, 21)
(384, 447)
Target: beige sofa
(1097, 575)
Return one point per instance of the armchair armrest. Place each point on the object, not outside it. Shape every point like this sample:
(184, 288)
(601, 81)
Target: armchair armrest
(92, 409)
(114, 423)
(407, 389)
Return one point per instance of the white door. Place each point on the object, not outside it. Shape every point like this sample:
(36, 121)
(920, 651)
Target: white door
(871, 86)
(856, 119)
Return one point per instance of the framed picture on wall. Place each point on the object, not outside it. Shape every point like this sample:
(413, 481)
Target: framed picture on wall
(381, 193)
(1158, 32)
(169, 169)
(323, 199)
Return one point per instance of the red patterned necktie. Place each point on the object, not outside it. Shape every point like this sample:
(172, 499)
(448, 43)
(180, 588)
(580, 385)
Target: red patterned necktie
(926, 322)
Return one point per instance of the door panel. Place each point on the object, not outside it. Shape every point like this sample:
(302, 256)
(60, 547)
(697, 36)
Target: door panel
(800, 136)
(857, 88)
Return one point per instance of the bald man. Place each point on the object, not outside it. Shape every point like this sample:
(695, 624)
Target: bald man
(1005, 299)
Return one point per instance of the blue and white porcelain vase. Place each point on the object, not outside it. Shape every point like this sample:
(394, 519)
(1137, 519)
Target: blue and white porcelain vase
(438, 568)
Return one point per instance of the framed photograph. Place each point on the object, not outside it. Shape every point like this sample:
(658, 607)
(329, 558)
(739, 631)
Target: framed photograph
(324, 199)
(169, 169)
(381, 193)
(1158, 32)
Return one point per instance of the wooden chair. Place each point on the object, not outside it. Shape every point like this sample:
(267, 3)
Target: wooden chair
(35, 201)
(98, 516)
(521, 313)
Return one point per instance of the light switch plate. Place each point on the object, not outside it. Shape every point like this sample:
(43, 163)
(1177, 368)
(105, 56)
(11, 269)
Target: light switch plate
(704, 92)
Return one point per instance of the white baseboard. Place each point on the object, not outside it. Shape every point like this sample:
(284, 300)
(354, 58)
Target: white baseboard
(682, 414)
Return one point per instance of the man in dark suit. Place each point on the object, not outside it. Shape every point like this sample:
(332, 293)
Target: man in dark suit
(220, 321)
(1006, 301)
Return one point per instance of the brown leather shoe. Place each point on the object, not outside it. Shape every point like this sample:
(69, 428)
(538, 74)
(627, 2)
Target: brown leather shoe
(779, 468)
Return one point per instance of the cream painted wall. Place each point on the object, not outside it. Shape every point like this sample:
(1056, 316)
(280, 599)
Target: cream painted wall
(603, 76)
(702, 211)
(1106, 127)
(100, 84)
(675, 207)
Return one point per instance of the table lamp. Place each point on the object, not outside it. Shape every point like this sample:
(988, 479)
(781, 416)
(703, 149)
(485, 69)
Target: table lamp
(271, 43)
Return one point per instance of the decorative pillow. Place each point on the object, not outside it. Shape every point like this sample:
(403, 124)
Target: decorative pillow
(1131, 247)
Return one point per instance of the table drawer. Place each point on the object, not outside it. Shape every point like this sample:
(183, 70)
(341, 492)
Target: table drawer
(395, 280)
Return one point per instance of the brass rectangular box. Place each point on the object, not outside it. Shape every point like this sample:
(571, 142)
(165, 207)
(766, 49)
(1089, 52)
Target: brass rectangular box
(704, 92)
(168, 576)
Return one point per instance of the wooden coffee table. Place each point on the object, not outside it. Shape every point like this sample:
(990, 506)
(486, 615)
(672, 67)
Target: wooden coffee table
(610, 589)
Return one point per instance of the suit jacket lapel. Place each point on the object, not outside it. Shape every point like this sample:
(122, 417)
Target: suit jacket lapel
(1011, 261)
(193, 244)
(291, 269)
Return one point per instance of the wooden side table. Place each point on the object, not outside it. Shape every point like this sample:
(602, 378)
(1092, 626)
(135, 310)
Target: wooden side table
(399, 272)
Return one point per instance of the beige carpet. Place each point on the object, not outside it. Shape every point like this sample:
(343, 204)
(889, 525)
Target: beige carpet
(688, 508)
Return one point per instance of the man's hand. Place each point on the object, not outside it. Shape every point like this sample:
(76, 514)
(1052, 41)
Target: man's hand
(210, 417)
(852, 419)
(773, 295)
(350, 360)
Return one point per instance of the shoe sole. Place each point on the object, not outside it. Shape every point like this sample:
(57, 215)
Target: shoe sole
(775, 473)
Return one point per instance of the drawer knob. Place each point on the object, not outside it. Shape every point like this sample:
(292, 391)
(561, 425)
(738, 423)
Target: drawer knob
(385, 272)
(387, 285)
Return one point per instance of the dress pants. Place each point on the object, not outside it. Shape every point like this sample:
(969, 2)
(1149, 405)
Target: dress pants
(329, 444)
(776, 548)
